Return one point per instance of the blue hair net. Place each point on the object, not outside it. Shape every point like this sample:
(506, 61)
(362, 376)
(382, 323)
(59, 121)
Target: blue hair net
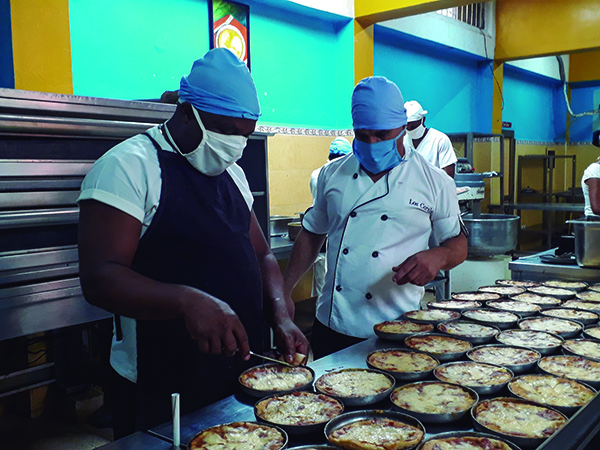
(220, 83)
(377, 104)
(340, 147)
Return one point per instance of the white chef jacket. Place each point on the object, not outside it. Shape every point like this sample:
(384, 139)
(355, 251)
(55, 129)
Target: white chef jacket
(371, 228)
(435, 147)
(127, 177)
(593, 171)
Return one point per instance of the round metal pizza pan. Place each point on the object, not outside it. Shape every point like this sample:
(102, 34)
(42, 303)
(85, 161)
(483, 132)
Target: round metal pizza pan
(567, 410)
(442, 357)
(582, 285)
(564, 296)
(486, 389)
(518, 440)
(283, 433)
(455, 305)
(515, 368)
(588, 296)
(365, 399)
(263, 393)
(313, 447)
(502, 325)
(582, 320)
(404, 376)
(569, 352)
(456, 434)
(544, 301)
(509, 290)
(477, 340)
(401, 336)
(543, 350)
(295, 430)
(498, 305)
(593, 383)
(482, 296)
(446, 417)
(586, 332)
(519, 283)
(350, 417)
(450, 315)
(564, 334)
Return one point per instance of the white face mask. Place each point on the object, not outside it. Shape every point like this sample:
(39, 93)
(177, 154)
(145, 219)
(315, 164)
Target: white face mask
(418, 132)
(216, 151)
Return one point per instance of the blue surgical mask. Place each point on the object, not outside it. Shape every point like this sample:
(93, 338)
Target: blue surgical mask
(378, 156)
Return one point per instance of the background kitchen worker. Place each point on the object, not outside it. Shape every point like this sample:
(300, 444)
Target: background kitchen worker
(590, 184)
(169, 243)
(378, 208)
(431, 144)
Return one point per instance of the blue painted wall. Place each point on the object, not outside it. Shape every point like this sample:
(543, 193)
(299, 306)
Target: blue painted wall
(7, 71)
(584, 97)
(454, 86)
(137, 49)
(534, 105)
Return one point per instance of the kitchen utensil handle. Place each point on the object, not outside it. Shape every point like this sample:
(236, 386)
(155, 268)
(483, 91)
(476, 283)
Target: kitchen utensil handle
(266, 358)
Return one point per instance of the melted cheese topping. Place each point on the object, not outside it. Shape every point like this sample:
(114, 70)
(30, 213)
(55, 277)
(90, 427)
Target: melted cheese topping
(565, 284)
(504, 356)
(528, 297)
(476, 296)
(519, 283)
(486, 315)
(454, 304)
(431, 314)
(298, 408)
(591, 296)
(550, 325)
(518, 419)
(238, 435)
(528, 338)
(402, 361)
(593, 332)
(433, 398)
(276, 377)
(556, 292)
(594, 287)
(465, 443)
(563, 313)
(586, 306)
(437, 344)
(353, 383)
(467, 329)
(502, 290)
(573, 367)
(551, 390)
(403, 326)
(472, 374)
(376, 433)
(510, 305)
(584, 347)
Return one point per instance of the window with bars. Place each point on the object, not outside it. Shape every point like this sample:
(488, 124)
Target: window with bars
(473, 14)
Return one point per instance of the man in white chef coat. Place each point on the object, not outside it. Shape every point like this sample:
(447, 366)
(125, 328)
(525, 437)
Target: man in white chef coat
(378, 207)
(431, 144)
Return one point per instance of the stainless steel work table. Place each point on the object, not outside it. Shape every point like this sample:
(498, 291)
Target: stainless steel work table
(581, 427)
(139, 441)
(532, 268)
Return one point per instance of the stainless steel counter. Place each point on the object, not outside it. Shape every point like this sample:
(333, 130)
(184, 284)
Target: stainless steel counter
(580, 428)
(532, 268)
(139, 441)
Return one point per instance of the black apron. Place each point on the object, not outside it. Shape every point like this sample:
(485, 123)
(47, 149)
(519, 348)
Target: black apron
(198, 237)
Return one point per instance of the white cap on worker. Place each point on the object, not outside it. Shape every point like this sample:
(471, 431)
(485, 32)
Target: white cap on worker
(414, 111)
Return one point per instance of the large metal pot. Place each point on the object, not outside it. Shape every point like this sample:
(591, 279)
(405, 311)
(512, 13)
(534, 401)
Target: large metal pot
(587, 242)
(278, 225)
(491, 234)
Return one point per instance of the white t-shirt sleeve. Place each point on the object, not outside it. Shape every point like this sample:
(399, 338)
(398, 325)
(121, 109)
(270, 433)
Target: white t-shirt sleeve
(446, 216)
(239, 178)
(593, 171)
(446, 153)
(316, 219)
(119, 179)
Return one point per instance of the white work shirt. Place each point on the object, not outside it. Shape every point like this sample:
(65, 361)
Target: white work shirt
(372, 227)
(436, 148)
(593, 171)
(128, 177)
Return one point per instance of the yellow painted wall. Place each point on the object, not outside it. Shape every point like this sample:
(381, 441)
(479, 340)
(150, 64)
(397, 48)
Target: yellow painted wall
(42, 45)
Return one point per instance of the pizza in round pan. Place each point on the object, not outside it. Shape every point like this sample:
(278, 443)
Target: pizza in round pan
(275, 377)
(594, 287)
(561, 327)
(580, 315)
(376, 433)
(400, 328)
(489, 316)
(470, 442)
(589, 296)
(588, 348)
(580, 304)
(298, 408)
(454, 305)
(538, 340)
(476, 296)
(514, 306)
(401, 361)
(473, 374)
(574, 367)
(431, 315)
(354, 383)
(518, 418)
(560, 293)
(503, 290)
(551, 390)
(519, 283)
(573, 285)
(592, 332)
(504, 355)
(247, 435)
(438, 345)
(468, 330)
(433, 397)
(542, 300)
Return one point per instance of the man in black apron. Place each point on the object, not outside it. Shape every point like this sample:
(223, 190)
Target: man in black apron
(197, 279)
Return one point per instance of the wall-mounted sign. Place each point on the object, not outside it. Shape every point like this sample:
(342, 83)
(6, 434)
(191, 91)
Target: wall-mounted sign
(506, 124)
(230, 27)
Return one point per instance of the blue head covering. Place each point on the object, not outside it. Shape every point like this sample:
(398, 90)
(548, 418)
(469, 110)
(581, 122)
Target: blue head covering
(340, 147)
(377, 104)
(220, 83)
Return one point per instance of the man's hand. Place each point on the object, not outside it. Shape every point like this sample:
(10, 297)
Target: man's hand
(214, 325)
(418, 269)
(290, 341)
